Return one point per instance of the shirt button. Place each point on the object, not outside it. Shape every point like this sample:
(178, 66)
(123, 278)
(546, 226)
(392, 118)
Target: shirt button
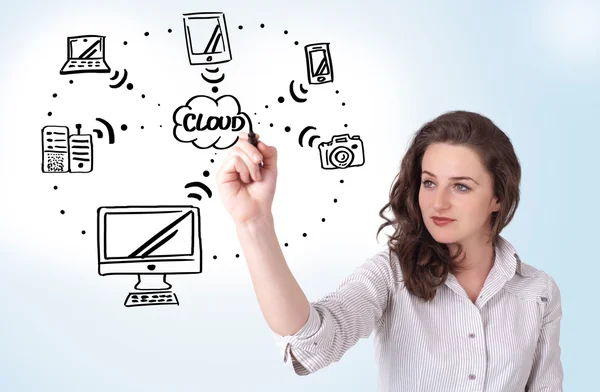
(472, 377)
(471, 335)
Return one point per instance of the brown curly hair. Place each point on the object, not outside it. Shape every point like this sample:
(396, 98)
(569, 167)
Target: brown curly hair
(424, 262)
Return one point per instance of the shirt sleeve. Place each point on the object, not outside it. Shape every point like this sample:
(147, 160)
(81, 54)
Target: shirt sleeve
(547, 372)
(339, 319)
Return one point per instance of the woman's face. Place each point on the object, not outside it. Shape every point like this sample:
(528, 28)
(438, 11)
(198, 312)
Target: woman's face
(469, 201)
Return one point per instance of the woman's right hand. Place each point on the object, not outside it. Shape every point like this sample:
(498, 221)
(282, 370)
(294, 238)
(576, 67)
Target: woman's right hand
(247, 190)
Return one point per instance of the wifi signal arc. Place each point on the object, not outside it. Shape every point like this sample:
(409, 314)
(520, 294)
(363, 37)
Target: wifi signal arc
(293, 94)
(213, 81)
(120, 83)
(199, 185)
(109, 128)
(311, 140)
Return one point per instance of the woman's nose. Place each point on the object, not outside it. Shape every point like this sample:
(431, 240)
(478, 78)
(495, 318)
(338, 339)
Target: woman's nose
(441, 200)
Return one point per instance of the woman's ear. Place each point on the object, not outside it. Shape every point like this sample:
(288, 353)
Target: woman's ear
(495, 205)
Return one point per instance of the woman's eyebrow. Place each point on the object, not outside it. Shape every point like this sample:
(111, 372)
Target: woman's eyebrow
(452, 178)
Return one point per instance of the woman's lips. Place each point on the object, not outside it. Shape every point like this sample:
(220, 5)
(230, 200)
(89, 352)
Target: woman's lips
(442, 222)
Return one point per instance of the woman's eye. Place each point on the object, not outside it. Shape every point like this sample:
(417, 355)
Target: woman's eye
(462, 187)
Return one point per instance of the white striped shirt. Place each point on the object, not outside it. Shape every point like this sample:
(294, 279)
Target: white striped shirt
(508, 340)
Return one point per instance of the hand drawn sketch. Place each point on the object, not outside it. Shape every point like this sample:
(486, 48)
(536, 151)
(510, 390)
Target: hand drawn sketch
(341, 152)
(318, 63)
(217, 80)
(201, 113)
(206, 38)
(312, 138)
(64, 153)
(150, 242)
(85, 53)
(120, 82)
(109, 129)
(80, 152)
(295, 96)
(200, 185)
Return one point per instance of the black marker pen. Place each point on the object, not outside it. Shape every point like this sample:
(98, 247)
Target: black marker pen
(254, 142)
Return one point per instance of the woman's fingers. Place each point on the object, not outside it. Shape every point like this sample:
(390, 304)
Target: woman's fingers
(244, 145)
(251, 164)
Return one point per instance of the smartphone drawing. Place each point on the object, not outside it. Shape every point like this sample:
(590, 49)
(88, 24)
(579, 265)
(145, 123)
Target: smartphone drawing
(318, 63)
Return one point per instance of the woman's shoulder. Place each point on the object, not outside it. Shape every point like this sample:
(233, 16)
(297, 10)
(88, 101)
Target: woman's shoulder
(387, 263)
(530, 281)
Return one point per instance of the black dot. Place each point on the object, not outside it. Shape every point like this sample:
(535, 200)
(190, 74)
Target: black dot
(215, 257)
(80, 165)
(271, 125)
(287, 129)
(259, 122)
(346, 125)
(62, 212)
(70, 82)
(146, 33)
(55, 187)
(296, 43)
(285, 32)
(55, 95)
(337, 91)
(212, 161)
(335, 200)
(215, 89)
(124, 42)
(49, 114)
(142, 127)
(286, 244)
(143, 95)
(161, 126)
(281, 99)
(240, 27)
(341, 181)
(124, 127)
(159, 104)
(266, 106)
(129, 86)
(262, 25)
(343, 103)
(170, 31)
(322, 219)
(237, 255)
(206, 173)
(303, 234)
(83, 232)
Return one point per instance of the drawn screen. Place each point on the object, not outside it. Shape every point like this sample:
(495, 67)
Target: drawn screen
(319, 63)
(141, 235)
(86, 48)
(205, 35)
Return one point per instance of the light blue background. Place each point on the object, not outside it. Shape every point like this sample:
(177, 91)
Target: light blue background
(532, 68)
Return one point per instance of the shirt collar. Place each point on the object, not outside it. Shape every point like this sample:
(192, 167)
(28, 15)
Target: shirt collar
(507, 261)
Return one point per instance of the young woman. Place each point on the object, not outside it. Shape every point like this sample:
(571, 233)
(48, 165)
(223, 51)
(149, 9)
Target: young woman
(452, 305)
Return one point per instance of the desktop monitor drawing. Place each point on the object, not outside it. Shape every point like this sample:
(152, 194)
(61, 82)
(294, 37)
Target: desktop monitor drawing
(150, 242)
(206, 38)
(85, 53)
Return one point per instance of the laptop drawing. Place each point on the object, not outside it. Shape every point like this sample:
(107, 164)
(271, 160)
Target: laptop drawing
(85, 53)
